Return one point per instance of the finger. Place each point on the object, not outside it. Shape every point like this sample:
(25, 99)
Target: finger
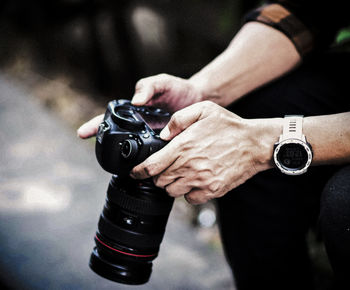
(146, 88)
(174, 172)
(162, 180)
(181, 120)
(178, 188)
(143, 93)
(157, 162)
(196, 196)
(90, 128)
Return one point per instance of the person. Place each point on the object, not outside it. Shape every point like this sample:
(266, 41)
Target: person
(227, 119)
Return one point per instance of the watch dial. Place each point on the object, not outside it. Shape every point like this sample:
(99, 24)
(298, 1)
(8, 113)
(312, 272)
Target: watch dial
(292, 156)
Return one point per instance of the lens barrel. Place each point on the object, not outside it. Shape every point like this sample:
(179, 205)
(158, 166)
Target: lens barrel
(130, 230)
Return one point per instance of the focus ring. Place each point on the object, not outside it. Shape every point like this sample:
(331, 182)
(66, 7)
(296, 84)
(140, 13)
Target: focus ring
(126, 237)
(140, 206)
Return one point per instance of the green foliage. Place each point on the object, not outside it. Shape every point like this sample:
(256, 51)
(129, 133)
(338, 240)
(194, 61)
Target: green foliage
(343, 35)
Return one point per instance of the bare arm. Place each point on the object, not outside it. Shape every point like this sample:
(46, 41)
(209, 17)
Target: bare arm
(257, 55)
(201, 165)
(205, 167)
(329, 137)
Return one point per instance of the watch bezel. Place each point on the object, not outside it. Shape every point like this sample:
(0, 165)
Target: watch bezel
(292, 171)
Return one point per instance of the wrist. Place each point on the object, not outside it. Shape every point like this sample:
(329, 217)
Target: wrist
(220, 88)
(200, 87)
(264, 134)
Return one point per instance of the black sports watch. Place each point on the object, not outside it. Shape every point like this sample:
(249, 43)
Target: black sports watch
(292, 154)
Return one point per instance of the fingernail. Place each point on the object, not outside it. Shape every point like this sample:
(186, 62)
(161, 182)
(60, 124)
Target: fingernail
(138, 99)
(165, 133)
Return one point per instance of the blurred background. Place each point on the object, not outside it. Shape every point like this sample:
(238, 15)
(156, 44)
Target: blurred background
(100, 48)
(61, 61)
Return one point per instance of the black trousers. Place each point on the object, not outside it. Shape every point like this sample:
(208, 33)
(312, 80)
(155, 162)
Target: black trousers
(264, 222)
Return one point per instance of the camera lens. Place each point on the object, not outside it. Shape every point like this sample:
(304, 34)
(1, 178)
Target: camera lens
(130, 230)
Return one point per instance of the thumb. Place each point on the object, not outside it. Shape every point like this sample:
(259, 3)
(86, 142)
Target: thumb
(90, 128)
(181, 120)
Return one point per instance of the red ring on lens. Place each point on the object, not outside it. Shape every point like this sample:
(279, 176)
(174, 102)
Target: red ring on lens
(121, 252)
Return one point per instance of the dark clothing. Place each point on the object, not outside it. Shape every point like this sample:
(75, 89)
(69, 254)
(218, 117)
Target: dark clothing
(264, 222)
(335, 225)
(311, 25)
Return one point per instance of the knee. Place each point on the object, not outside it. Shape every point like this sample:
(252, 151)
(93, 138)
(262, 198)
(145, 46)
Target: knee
(335, 203)
(335, 222)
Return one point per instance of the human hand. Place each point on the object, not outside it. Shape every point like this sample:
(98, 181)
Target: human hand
(211, 152)
(168, 92)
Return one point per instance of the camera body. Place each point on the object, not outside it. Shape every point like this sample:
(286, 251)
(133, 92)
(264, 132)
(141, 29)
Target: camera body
(128, 135)
(133, 221)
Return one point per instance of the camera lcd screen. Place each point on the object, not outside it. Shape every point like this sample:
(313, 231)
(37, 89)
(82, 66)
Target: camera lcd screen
(155, 121)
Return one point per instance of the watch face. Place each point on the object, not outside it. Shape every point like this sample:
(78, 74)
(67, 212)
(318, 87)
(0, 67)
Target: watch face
(292, 156)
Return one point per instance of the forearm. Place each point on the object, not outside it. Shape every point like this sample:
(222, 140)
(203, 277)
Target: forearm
(329, 136)
(257, 55)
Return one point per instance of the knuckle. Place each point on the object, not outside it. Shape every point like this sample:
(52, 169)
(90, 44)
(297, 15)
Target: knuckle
(189, 198)
(151, 80)
(163, 76)
(176, 119)
(194, 199)
(158, 181)
(199, 167)
(204, 174)
(170, 192)
(210, 107)
(140, 83)
(145, 82)
(213, 186)
(207, 104)
(150, 168)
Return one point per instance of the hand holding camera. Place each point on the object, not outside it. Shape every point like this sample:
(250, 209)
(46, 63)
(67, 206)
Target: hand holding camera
(132, 224)
(211, 151)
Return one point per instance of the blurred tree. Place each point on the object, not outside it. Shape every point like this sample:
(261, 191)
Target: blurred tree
(105, 46)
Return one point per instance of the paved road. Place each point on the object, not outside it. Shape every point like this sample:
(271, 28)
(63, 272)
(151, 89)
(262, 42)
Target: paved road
(51, 194)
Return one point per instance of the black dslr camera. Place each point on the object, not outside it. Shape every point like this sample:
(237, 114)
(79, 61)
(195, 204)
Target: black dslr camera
(133, 220)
